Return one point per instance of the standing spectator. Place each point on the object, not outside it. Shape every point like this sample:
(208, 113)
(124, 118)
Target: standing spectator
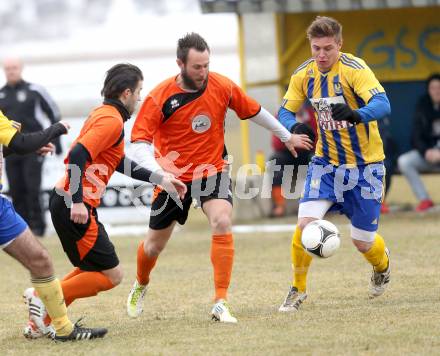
(425, 155)
(283, 158)
(30, 105)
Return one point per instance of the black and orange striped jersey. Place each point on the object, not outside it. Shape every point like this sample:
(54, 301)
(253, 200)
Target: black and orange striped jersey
(102, 136)
(187, 128)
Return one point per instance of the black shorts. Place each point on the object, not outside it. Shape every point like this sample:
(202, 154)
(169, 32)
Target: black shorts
(87, 245)
(164, 210)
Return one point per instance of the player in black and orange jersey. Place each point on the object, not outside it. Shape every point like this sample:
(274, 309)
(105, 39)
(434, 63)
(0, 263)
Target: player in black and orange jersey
(94, 156)
(18, 241)
(185, 116)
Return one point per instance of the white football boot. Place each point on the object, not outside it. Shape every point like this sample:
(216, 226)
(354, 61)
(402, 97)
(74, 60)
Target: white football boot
(379, 280)
(36, 327)
(293, 300)
(221, 313)
(135, 300)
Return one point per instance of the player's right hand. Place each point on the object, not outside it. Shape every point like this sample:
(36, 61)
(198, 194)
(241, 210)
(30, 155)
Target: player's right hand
(301, 141)
(174, 186)
(301, 128)
(79, 213)
(45, 150)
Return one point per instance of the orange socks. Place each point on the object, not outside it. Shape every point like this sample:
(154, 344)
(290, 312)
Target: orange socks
(277, 196)
(222, 258)
(84, 284)
(72, 273)
(279, 203)
(145, 265)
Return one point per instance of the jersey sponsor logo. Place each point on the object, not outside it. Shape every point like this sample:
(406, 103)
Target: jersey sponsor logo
(323, 109)
(337, 88)
(21, 96)
(2, 95)
(174, 103)
(315, 183)
(201, 123)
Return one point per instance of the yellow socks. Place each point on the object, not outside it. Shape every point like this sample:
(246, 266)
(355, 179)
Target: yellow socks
(376, 254)
(300, 262)
(50, 292)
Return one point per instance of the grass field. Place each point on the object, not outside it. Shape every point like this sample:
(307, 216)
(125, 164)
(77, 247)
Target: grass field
(337, 318)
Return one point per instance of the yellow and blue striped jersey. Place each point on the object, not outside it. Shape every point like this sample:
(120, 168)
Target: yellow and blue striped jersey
(8, 129)
(349, 81)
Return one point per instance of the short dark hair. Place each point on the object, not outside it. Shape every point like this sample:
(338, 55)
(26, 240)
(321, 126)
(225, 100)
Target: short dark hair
(190, 40)
(435, 76)
(120, 77)
(324, 26)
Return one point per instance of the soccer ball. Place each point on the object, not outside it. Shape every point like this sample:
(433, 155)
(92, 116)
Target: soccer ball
(320, 238)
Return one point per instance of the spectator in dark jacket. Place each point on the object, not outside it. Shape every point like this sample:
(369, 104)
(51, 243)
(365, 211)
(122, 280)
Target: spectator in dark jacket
(425, 155)
(31, 106)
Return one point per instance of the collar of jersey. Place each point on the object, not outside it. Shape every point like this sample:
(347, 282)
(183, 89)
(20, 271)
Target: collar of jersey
(119, 106)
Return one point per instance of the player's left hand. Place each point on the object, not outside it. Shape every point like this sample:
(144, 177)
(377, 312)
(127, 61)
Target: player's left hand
(173, 186)
(342, 112)
(298, 142)
(45, 150)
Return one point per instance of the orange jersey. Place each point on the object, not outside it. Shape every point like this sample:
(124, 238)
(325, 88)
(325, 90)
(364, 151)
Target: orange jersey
(187, 128)
(102, 136)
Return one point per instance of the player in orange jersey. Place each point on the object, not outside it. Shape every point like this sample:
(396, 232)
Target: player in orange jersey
(94, 156)
(185, 116)
(18, 241)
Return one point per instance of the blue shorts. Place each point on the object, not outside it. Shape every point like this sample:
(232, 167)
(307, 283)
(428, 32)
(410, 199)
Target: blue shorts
(356, 192)
(11, 224)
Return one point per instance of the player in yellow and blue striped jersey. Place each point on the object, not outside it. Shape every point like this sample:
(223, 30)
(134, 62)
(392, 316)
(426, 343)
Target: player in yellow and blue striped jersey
(346, 174)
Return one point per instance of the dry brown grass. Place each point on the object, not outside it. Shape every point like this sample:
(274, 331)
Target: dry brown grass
(338, 318)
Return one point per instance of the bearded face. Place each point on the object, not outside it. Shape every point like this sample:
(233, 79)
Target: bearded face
(194, 72)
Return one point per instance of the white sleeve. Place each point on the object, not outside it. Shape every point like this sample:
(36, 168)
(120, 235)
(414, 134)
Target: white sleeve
(143, 154)
(265, 119)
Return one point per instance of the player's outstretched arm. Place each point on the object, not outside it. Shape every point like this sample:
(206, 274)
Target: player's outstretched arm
(377, 108)
(142, 152)
(167, 181)
(23, 143)
(292, 141)
(299, 141)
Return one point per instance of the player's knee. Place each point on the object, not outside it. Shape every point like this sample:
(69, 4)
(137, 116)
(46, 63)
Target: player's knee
(40, 264)
(221, 224)
(362, 246)
(153, 248)
(362, 239)
(302, 222)
(116, 276)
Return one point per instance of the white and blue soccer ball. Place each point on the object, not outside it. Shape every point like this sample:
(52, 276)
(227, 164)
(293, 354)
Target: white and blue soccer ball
(320, 238)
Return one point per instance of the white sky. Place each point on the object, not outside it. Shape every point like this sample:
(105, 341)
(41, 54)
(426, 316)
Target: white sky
(72, 67)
